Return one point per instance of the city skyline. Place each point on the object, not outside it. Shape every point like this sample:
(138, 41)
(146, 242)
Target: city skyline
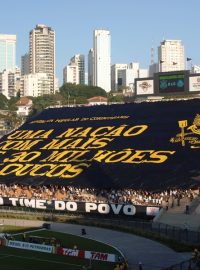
(134, 27)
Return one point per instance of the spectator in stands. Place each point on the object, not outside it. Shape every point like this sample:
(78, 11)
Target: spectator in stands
(69, 193)
(117, 267)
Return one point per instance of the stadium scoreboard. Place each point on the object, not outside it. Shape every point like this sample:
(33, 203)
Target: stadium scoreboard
(171, 83)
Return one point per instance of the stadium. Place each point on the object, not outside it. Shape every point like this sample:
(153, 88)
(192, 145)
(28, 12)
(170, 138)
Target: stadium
(129, 167)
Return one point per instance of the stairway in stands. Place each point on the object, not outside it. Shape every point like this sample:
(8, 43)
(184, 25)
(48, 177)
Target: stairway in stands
(177, 215)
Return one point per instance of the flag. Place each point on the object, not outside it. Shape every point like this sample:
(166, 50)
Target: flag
(189, 59)
(161, 61)
(174, 63)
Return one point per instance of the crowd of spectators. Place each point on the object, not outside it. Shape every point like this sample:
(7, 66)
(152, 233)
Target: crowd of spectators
(69, 193)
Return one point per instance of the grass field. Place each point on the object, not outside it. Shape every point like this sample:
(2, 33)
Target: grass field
(14, 229)
(11, 258)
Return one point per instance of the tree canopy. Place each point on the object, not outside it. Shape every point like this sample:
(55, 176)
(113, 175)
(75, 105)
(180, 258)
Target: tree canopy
(81, 91)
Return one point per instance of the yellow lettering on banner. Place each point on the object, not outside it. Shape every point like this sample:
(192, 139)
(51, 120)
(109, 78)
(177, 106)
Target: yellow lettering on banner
(30, 134)
(75, 170)
(41, 169)
(69, 132)
(160, 156)
(56, 144)
(99, 143)
(101, 155)
(132, 157)
(11, 168)
(118, 156)
(117, 131)
(97, 133)
(18, 145)
(90, 143)
(83, 133)
(25, 169)
(94, 143)
(23, 156)
(65, 156)
(140, 156)
(137, 130)
(49, 170)
(107, 131)
(67, 170)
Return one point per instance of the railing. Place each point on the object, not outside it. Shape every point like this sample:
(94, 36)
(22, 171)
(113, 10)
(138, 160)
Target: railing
(163, 230)
(185, 265)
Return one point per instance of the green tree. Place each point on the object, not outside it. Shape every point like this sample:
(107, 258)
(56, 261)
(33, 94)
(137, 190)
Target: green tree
(115, 98)
(80, 92)
(3, 102)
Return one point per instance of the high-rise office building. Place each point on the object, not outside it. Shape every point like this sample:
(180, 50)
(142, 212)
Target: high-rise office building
(171, 55)
(42, 52)
(102, 59)
(25, 64)
(79, 59)
(91, 67)
(7, 52)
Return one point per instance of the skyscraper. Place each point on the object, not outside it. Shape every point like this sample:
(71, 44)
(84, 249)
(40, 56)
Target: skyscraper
(79, 59)
(7, 52)
(25, 64)
(42, 52)
(102, 61)
(171, 55)
(91, 67)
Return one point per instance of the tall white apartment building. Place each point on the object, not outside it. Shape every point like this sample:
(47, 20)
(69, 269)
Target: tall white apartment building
(71, 73)
(42, 52)
(171, 55)
(79, 59)
(7, 52)
(102, 59)
(35, 85)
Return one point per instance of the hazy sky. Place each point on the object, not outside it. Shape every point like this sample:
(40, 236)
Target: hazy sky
(135, 26)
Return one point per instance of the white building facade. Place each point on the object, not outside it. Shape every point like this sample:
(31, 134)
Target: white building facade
(124, 75)
(71, 73)
(79, 59)
(7, 52)
(34, 85)
(116, 76)
(171, 56)
(42, 53)
(102, 59)
(8, 84)
(195, 69)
